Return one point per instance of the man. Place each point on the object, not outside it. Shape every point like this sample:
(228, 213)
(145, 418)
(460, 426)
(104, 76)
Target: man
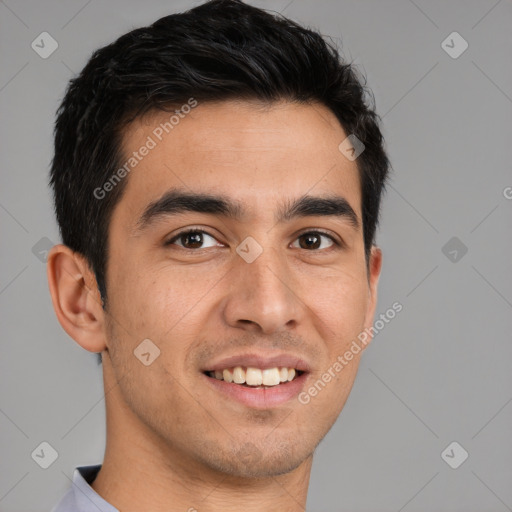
(217, 180)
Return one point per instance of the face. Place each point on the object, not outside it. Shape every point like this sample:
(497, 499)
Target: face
(255, 283)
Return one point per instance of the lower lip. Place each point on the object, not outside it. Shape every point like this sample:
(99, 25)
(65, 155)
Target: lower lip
(259, 398)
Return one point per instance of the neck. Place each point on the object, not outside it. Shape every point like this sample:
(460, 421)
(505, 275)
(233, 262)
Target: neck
(142, 472)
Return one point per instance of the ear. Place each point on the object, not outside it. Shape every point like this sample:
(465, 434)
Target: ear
(374, 268)
(76, 298)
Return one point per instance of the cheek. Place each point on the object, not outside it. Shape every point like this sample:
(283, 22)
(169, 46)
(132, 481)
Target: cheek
(338, 307)
(339, 304)
(161, 300)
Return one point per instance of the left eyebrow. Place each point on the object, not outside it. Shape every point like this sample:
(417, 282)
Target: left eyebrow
(309, 206)
(177, 201)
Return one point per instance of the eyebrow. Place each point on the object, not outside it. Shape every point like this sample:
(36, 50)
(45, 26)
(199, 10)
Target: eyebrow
(176, 201)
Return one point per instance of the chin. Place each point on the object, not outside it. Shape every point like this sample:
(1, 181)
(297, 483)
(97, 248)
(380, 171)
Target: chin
(249, 461)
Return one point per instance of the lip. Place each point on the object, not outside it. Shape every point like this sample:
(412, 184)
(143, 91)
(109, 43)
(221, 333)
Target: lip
(259, 398)
(259, 361)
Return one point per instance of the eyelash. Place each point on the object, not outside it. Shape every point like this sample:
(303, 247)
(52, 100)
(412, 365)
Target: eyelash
(189, 231)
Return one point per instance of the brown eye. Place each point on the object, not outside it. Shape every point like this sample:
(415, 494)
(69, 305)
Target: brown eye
(313, 240)
(193, 239)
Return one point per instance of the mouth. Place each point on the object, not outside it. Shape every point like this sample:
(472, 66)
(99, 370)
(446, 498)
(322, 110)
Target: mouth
(257, 387)
(256, 378)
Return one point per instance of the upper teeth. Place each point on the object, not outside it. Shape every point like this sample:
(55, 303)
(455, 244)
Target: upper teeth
(254, 376)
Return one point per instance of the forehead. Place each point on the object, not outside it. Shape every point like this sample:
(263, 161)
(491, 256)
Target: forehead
(258, 153)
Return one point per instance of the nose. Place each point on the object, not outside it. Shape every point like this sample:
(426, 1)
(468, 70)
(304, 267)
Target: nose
(263, 296)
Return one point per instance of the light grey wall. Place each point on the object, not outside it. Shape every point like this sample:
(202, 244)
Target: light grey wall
(437, 373)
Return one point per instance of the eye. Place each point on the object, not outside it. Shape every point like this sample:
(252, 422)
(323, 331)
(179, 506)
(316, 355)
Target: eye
(313, 240)
(192, 239)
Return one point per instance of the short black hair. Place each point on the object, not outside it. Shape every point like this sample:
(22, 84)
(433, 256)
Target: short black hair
(219, 50)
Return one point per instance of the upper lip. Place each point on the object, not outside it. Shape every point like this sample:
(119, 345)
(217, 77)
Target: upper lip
(260, 361)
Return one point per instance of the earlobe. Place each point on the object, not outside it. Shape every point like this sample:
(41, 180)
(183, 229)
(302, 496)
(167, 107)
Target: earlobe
(75, 298)
(374, 269)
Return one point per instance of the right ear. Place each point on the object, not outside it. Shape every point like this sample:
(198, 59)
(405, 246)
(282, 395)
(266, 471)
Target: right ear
(76, 298)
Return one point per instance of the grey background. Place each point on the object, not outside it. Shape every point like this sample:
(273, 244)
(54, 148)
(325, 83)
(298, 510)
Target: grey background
(439, 372)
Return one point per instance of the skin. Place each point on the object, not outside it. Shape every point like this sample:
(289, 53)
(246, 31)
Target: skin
(173, 443)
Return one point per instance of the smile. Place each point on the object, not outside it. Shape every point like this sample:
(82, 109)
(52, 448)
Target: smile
(256, 377)
(257, 396)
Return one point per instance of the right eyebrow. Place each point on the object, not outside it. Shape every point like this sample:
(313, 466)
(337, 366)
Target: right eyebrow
(176, 201)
